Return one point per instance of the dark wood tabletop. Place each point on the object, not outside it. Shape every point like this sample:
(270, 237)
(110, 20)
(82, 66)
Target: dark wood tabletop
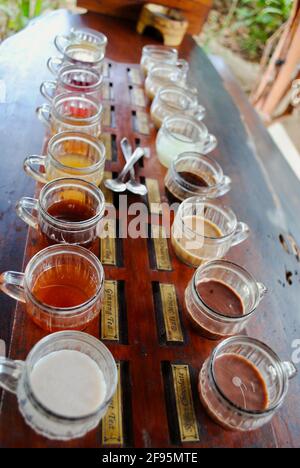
(265, 194)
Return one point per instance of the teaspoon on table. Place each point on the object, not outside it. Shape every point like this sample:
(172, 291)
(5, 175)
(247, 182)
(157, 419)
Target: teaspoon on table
(118, 185)
(133, 185)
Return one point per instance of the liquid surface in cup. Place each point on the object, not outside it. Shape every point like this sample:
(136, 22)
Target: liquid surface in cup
(65, 285)
(199, 180)
(77, 161)
(68, 383)
(169, 148)
(73, 211)
(195, 179)
(241, 382)
(221, 298)
(204, 226)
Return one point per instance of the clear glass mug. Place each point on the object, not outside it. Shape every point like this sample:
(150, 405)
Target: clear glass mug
(15, 377)
(175, 100)
(75, 273)
(81, 36)
(194, 174)
(72, 79)
(157, 54)
(203, 231)
(72, 112)
(86, 55)
(181, 133)
(231, 299)
(72, 198)
(226, 388)
(69, 154)
(164, 75)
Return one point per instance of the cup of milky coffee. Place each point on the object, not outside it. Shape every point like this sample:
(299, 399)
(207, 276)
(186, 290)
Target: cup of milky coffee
(221, 298)
(192, 174)
(243, 383)
(64, 386)
(203, 231)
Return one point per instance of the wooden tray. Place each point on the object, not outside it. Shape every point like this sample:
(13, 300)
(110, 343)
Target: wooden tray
(143, 321)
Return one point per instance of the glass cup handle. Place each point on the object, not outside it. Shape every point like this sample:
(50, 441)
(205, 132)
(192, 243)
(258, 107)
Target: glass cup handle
(10, 373)
(241, 233)
(224, 186)
(47, 89)
(44, 113)
(289, 369)
(24, 208)
(262, 289)
(183, 64)
(210, 144)
(12, 284)
(54, 64)
(61, 42)
(200, 112)
(31, 167)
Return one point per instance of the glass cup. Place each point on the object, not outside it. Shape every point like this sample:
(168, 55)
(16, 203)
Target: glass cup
(63, 275)
(203, 231)
(243, 383)
(156, 55)
(69, 154)
(175, 100)
(192, 174)
(82, 36)
(16, 377)
(181, 133)
(72, 112)
(73, 79)
(221, 298)
(165, 75)
(86, 55)
(68, 211)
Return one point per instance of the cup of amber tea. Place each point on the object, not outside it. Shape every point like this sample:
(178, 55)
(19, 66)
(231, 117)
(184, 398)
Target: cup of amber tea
(68, 211)
(72, 112)
(62, 287)
(69, 154)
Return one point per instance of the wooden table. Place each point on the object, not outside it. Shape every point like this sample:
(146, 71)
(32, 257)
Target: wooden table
(265, 194)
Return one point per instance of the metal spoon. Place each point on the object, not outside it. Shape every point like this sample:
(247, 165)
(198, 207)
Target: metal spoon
(132, 185)
(118, 185)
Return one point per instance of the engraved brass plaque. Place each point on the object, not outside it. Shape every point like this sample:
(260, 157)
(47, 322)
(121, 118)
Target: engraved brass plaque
(112, 423)
(184, 403)
(106, 140)
(138, 97)
(142, 123)
(105, 69)
(106, 117)
(162, 256)
(110, 312)
(108, 254)
(170, 312)
(106, 90)
(108, 194)
(153, 196)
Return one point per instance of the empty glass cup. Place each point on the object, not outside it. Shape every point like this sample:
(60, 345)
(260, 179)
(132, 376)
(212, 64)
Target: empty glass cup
(156, 55)
(192, 174)
(72, 112)
(82, 36)
(203, 231)
(18, 377)
(68, 211)
(73, 79)
(69, 154)
(165, 75)
(62, 287)
(181, 133)
(175, 100)
(244, 383)
(221, 298)
(86, 55)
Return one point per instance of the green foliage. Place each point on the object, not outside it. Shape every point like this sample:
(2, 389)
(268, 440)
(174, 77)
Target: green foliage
(256, 20)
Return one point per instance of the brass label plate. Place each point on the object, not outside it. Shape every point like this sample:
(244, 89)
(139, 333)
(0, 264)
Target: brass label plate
(170, 312)
(161, 248)
(112, 423)
(106, 90)
(184, 403)
(154, 199)
(108, 194)
(106, 140)
(110, 312)
(135, 76)
(142, 123)
(108, 254)
(106, 117)
(138, 97)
